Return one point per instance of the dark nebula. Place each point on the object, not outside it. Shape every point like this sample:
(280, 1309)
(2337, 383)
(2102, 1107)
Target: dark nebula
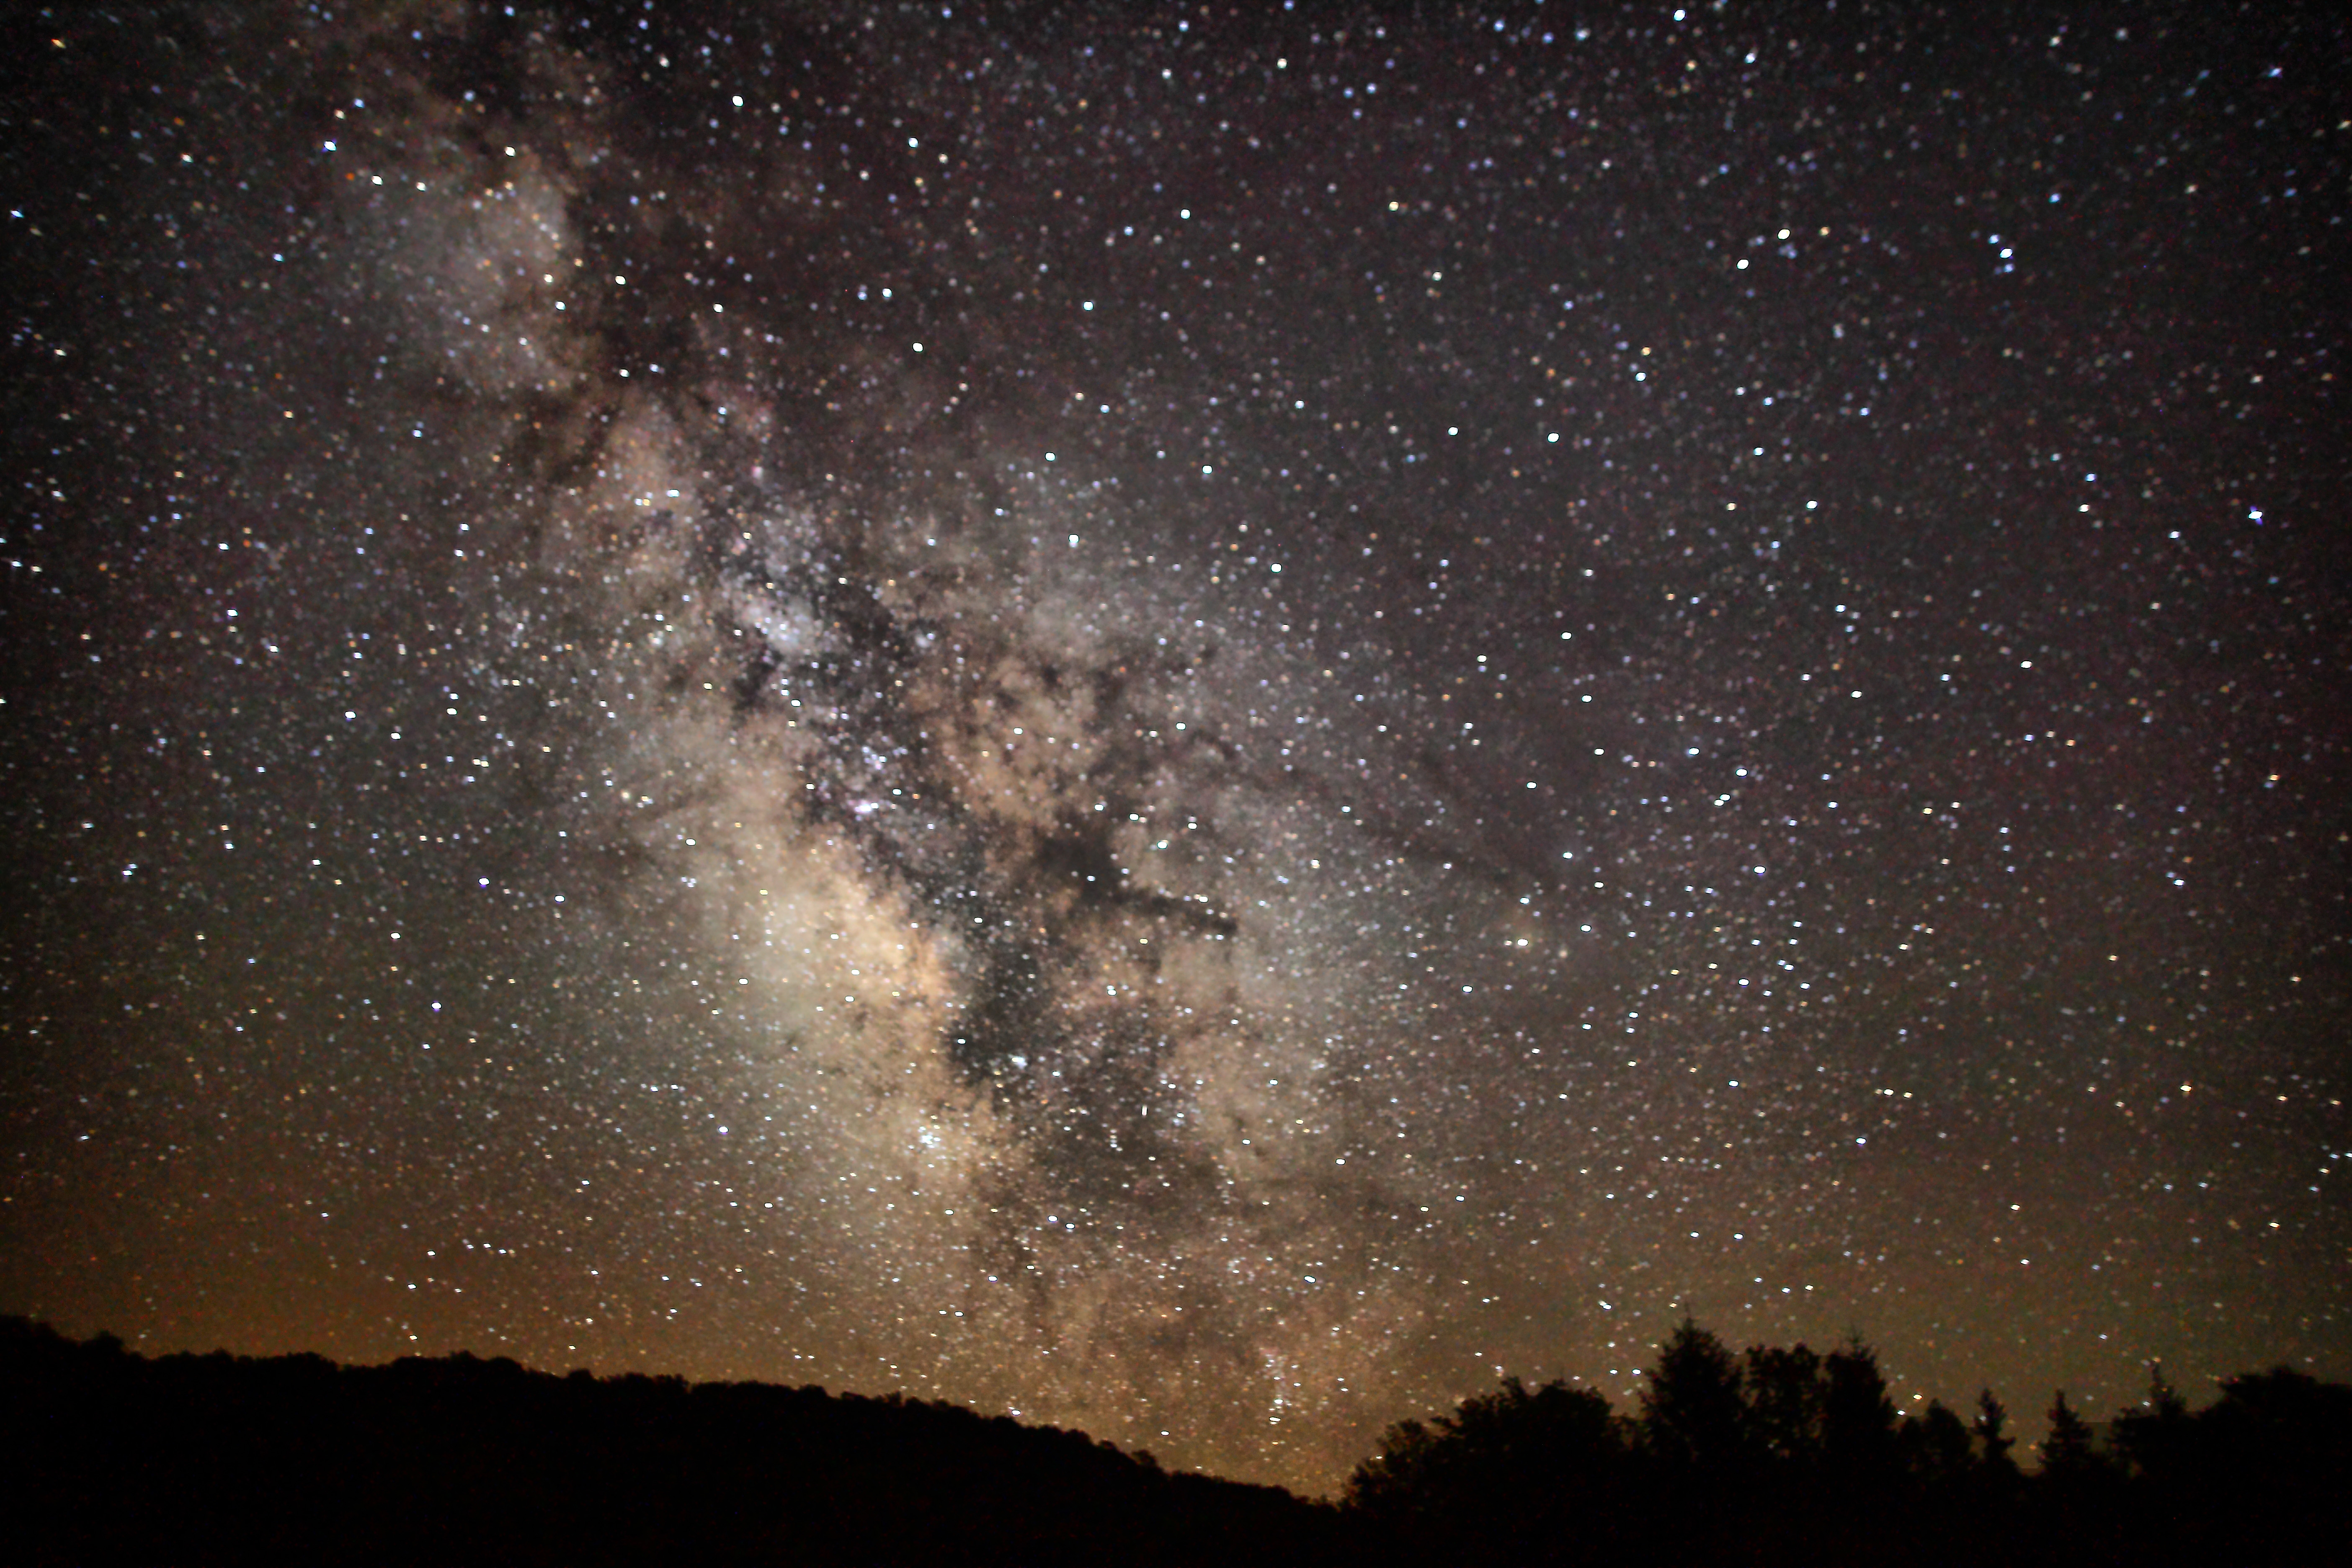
(1199, 720)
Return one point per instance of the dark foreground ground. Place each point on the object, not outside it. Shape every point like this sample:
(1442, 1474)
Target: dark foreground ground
(1783, 1458)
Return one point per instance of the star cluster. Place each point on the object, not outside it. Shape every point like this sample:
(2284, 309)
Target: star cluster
(1195, 722)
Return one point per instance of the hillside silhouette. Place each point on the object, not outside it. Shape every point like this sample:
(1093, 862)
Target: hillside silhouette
(114, 1458)
(1771, 1456)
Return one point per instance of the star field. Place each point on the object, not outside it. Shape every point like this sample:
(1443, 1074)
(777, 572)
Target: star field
(1199, 722)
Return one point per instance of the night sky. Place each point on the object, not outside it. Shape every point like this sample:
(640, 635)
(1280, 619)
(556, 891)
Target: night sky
(1199, 722)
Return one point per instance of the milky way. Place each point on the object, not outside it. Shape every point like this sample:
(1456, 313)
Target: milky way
(1200, 726)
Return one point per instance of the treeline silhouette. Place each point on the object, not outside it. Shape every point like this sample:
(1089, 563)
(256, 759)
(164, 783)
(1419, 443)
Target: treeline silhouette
(1786, 1455)
(1776, 1456)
